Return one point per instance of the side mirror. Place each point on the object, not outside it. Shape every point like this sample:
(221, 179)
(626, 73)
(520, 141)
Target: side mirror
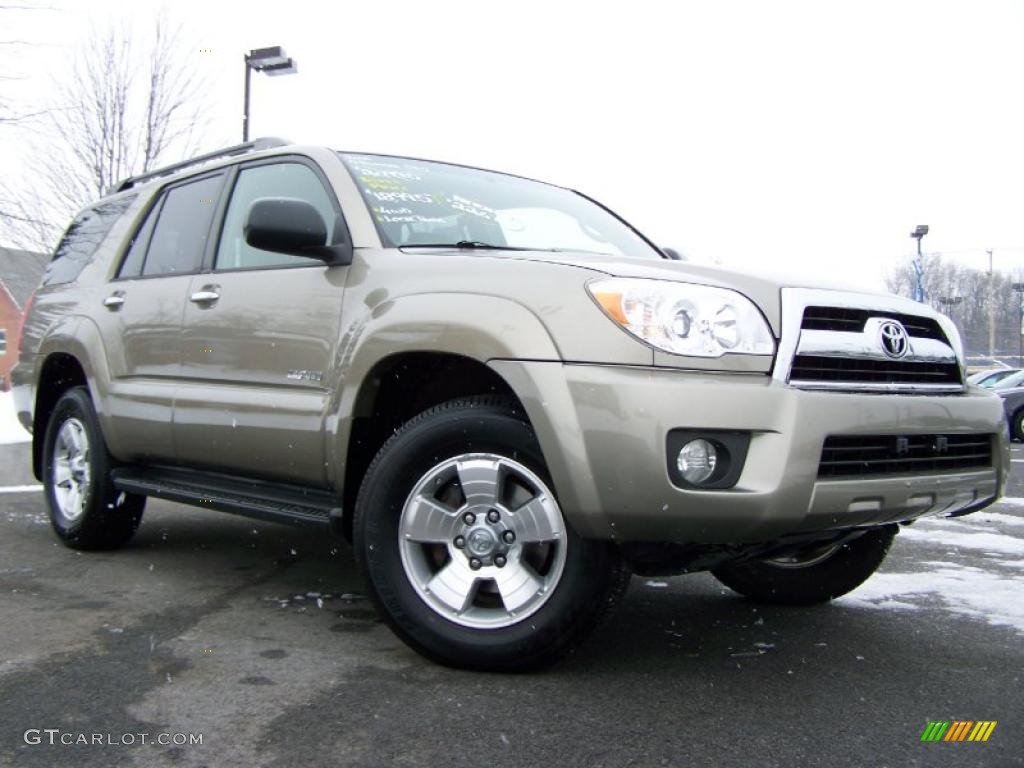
(287, 225)
(672, 253)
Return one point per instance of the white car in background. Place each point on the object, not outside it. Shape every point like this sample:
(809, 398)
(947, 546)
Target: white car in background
(990, 377)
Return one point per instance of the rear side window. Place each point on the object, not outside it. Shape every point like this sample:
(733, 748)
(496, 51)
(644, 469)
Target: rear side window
(79, 244)
(181, 231)
(3, 341)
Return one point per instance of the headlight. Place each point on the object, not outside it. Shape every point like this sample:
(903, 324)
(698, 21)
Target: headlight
(685, 319)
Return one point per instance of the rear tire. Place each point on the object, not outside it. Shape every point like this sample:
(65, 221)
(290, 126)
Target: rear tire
(86, 511)
(466, 594)
(822, 576)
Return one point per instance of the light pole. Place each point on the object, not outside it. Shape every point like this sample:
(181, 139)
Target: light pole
(271, 61)
(920, 232)
(1019, 290)
(991, 309)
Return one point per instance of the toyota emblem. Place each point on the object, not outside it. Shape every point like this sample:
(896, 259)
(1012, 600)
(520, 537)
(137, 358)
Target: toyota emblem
(894, 339)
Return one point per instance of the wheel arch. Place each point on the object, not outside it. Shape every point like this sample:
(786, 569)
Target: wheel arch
(58, 372)
(71, 354)
(397, 388)
(404, 354)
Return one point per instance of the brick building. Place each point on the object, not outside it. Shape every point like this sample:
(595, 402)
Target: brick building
(20, 273)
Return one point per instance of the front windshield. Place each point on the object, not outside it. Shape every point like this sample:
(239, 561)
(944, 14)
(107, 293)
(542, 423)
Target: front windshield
(416, 202)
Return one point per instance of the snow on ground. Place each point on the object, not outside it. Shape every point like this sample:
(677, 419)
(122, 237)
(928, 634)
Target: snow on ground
(960, 589)
(995, 517)
(989, 542)
(11, 430)
(990, 588)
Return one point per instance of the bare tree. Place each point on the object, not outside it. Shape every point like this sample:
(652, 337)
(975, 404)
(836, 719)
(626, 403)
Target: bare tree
(9, 48)
(123, 108)
(969, 289)
(14, 214)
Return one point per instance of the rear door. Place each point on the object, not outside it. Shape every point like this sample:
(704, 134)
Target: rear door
(141, 325)
(259, 334)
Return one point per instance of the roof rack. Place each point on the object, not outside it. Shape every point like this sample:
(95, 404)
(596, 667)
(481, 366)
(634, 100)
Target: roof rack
(238, 149)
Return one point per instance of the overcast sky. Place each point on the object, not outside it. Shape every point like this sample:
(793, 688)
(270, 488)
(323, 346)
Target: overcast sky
(802, 137)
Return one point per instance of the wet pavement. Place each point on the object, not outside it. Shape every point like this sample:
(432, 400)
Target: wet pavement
(257, 638)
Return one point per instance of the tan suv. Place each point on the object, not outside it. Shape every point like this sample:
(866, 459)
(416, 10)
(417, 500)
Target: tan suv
(505, 396)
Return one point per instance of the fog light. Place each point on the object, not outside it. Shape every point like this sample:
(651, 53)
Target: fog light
(696, 461)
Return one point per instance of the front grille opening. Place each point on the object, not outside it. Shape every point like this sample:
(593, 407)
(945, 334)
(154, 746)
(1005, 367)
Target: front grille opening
(855, 370)
(848, 320)
(880, 455)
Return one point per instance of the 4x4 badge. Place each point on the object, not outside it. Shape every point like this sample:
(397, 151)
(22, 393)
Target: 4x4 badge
(894, 339)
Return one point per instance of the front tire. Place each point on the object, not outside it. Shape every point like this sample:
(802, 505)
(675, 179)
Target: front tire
(812, 575)
(86, 510)
(464, 548)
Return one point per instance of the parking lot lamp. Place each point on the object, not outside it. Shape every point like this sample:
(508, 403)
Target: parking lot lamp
(271, 61)
(920, 232)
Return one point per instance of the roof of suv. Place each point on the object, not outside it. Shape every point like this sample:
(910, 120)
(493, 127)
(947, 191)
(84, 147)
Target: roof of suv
(266, 143)
(269, 142)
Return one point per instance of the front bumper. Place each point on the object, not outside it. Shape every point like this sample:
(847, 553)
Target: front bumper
(603, 432)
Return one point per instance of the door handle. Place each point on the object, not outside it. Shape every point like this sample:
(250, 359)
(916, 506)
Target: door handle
(204, 296)
(114, 300)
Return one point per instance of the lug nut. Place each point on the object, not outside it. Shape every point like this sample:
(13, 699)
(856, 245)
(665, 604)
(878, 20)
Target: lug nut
(499, 560)
(469, 518)
(508, 537)
(493, 516)
(460, 541)
(474, 563)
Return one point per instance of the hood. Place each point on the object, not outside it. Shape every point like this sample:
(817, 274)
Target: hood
(763, 290)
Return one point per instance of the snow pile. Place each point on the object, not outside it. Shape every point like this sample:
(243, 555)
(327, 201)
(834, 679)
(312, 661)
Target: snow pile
(960, 589)
(988, 542)
(11, 430)
(988, 588)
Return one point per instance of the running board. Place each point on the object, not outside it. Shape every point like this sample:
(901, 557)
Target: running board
(258, 499)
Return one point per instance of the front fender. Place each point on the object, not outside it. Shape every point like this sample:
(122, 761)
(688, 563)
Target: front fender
(481, 327)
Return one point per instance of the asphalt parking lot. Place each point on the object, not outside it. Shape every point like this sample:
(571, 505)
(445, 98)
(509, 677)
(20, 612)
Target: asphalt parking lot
(257, 638)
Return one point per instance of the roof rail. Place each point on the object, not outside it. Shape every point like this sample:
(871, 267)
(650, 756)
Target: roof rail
(238, 149)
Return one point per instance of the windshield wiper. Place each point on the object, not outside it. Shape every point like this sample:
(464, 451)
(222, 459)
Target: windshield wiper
(469, 245)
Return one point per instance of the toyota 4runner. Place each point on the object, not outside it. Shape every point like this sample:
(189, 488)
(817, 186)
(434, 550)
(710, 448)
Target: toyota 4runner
(506, 397)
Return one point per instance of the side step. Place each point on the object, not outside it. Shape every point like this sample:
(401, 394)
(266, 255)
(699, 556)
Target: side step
(258, 499)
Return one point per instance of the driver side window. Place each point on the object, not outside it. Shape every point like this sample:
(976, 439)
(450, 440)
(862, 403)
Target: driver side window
(293, 180)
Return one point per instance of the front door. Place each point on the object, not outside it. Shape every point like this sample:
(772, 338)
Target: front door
(258, 338)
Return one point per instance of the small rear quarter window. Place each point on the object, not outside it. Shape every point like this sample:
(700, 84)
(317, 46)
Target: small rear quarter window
(82, 239)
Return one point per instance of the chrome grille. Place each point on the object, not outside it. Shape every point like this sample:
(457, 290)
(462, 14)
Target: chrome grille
(833, 340)
(853, 321)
